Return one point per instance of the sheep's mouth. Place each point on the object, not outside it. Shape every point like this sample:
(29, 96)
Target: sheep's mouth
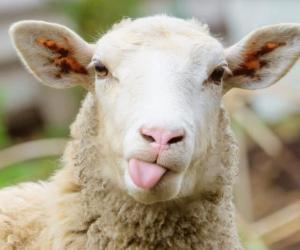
(144, 174)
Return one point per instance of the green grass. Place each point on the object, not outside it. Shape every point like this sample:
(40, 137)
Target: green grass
(28, 171)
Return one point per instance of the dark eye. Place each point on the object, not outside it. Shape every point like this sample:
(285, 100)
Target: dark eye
(101, 70)
(217, 75)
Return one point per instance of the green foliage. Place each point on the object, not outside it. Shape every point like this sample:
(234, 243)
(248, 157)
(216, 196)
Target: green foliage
(28, 171)
(249, 240)
(93, 17)
(255, 244)
(55, 131)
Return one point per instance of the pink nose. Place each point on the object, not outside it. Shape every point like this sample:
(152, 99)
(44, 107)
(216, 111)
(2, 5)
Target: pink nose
(161, 136)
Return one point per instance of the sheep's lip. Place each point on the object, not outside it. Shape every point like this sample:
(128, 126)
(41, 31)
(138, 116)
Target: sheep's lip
(145, 175)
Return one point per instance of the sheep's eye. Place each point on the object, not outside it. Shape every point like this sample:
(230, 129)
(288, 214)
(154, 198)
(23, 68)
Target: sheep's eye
(101, 70)
(217, 75)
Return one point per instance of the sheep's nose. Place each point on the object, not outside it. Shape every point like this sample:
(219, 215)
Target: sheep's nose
(162, 137)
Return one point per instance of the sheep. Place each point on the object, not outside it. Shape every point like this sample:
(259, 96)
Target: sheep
(152, 160)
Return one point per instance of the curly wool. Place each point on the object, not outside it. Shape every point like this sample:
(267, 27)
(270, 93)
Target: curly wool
(80, 209)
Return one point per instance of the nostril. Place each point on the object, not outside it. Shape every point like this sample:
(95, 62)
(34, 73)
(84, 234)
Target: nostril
(148, 138)
(162, 136)
(176, 139)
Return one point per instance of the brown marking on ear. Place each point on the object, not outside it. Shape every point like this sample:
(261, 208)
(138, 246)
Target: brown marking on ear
(253, 61)
(68, 64)
(64, 60)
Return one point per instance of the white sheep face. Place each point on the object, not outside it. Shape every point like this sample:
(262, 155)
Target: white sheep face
(158, 83)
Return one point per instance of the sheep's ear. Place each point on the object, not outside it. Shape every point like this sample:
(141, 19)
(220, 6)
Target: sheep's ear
(262, 57)
(54, 54)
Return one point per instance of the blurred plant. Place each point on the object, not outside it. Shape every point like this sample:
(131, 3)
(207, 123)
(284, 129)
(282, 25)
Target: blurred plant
(23, 171)
(28, 171)
(95, 16)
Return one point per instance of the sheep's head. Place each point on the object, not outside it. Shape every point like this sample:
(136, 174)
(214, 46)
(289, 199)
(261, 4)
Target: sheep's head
(158, 84)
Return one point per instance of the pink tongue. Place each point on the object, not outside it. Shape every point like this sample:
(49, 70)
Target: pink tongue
(145, 175)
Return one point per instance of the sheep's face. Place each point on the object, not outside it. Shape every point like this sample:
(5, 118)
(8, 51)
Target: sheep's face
(159, 91)
(158, 84)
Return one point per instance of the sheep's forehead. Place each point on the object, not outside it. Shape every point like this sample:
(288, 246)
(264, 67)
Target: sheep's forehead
(171, 35)
(143, 29)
